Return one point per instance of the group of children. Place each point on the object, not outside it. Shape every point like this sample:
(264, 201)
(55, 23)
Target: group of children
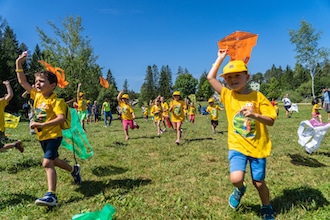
(248, 113)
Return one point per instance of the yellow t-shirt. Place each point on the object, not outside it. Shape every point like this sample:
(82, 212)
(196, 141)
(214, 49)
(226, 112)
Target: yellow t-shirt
(177, 113)
(315, 108)
(126, 110)
(165, 108)
(46, 109)
(158, 115)
(82, 104)
(246, 135)
(3, 104)
(145, 113)
(192, 110)
(214, 112)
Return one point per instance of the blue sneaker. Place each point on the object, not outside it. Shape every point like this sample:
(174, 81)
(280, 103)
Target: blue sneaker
(235, 197)
(49, 199)
(76, 174)
(267, 213)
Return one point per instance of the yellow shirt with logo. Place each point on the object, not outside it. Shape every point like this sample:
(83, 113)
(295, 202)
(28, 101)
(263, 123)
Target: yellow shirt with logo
(46, 109)
(156, 112)
(82, 104)
(246, 135)
(126, 110)
(177, 113)
(214, 112)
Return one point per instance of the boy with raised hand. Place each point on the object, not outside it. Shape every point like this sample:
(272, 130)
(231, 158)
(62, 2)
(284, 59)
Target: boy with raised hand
(248, 114)
(49, 115)
(3, 103)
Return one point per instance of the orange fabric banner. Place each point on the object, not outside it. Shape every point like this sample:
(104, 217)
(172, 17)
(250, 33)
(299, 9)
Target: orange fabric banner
(58, 72)
(104, 82)
(239, 45)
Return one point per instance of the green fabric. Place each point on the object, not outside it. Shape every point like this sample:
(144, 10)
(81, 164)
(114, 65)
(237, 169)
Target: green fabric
(75, 139)
(105, 214)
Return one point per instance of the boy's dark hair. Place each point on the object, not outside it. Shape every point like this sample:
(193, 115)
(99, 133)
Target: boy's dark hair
(315, 101)
(52, 78)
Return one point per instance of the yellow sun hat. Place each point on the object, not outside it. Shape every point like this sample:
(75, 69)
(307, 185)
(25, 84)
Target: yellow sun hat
(125, 96)
(176, 93)
(210, 100)
(234, 66)
(81, 94)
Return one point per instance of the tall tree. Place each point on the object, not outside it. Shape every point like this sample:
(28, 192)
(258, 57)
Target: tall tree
(72, 52)
(308, 52)
(186, 84)
(204, 88)
(165, 84)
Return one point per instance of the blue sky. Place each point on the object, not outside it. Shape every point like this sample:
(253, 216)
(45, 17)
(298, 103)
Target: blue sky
(129, 35)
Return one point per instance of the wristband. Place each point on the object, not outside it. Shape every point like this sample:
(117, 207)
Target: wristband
(215, 64)
(19, 71)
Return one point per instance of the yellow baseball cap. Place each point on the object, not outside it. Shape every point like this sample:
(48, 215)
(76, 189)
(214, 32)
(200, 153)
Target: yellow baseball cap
(125, 96)
(234, 66)
(81, 94)
(176, 93)
(210, 100)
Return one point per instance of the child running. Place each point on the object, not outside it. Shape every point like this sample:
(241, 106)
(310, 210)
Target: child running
(192, 112)
(156, 110)
(177, 107)
(165, 115)
(3, 103)
(246, 143)
(49, 115)
(82, 106)
(127, 113)
(213, 110)
(315, 110)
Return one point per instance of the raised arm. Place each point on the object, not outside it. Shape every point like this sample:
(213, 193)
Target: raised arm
(119, 95)
(78, 90)
(212, 75)
(10, 93)
(20, 72)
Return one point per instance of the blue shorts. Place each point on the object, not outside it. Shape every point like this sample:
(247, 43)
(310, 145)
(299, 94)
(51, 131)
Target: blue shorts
(238, 162)
(50, 147)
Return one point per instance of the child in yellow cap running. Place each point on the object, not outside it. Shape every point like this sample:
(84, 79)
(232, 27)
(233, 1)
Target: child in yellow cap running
(248, 114)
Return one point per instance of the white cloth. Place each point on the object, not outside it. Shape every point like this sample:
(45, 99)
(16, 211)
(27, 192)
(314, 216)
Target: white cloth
(311, 133)
(294, 107)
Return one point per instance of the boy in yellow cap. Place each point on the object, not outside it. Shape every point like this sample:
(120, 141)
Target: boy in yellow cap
(248, 114)
(213, 110)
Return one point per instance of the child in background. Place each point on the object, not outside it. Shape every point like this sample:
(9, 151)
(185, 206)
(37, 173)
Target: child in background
(95, 112)
(106, 110)
(26, 95)
(82, 106)
(166, 117)
(145, 113)
(49, 115)
(315, 110)
(192, 112)
(156, 110)
(151, 103)
(177, 107)
(3, 103)
(214, 114)
(254, 146)
(127, 113)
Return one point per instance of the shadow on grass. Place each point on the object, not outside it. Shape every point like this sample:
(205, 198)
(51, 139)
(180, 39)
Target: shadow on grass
(198, 139)
(107, 171)
(23, 165)
(322, 153)
(14, 199)
(300, 160)
(92, 188)
(118, 144)
(306, 197)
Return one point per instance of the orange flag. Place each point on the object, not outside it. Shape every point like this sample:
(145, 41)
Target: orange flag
(58, 72)
(104, 82)
(239, 45)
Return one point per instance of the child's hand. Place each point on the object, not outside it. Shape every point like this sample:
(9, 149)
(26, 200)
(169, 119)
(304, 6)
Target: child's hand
(21, 58)
(6, 82)
(36, 125)
(222, 53)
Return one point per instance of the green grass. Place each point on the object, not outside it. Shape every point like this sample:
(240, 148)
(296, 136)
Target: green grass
(149, 177)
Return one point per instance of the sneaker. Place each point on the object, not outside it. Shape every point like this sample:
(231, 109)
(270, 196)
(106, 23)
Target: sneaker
(18, 146)
(267, 213)
(177, 142)
(76, 174)
(235, 197)
(136, 125)
(49, 199)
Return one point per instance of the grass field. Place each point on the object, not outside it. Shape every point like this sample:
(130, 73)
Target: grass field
(150, 177)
